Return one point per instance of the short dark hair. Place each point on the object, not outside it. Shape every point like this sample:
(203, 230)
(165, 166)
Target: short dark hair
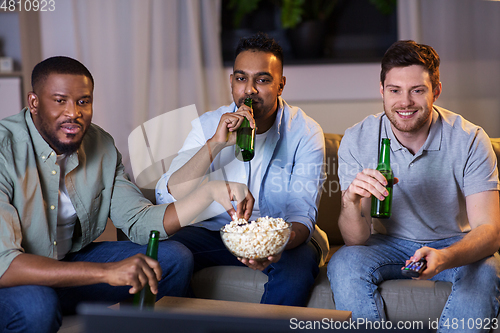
(57, 65)
(260, 42)
(406, 53)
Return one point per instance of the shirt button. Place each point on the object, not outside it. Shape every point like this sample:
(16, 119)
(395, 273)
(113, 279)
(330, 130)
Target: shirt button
(411, 164)
(43, 157)
(54, 172)
(52, 207)
(55, 243)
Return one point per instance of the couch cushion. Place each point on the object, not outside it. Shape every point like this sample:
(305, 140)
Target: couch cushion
(235, 283)
(229, 283)
(329, 206)
(414, 299)
(495, 142)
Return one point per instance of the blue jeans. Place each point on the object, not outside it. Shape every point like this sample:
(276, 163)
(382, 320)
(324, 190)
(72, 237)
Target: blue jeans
(356, 271)
(289, 280)
(40, 309)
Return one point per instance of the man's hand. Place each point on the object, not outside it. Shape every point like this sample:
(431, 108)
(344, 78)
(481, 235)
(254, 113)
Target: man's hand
(436, 260)
(225, 192)
(136, 271)
(229, 123)
(260, 264)
(367, 183)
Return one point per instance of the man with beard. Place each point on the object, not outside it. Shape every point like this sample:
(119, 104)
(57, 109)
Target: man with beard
(61, 178)
(285, 175)
(445, 205)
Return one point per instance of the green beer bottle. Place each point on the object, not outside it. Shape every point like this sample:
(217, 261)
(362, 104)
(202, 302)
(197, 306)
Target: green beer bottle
(245, 139)
(145, 298)
(382, 209)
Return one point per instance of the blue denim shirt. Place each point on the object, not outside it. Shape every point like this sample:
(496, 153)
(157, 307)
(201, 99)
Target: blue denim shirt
(292, 167)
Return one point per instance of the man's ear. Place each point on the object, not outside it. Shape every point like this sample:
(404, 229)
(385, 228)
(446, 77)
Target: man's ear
(33, 102)
(282, 85)
(437, 91)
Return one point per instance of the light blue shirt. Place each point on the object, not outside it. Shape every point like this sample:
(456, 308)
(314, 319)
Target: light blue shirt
(292, 167)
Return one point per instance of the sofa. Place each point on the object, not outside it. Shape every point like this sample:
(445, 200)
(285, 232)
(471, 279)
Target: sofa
(405, 300)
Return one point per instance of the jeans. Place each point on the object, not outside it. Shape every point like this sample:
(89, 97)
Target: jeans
(289, 280)
(356, 271)
(40, 309)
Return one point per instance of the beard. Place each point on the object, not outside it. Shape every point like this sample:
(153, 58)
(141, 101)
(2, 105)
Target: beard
(56, 144)
(412, 126)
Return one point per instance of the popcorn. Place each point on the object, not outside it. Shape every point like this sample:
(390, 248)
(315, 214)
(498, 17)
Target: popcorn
(256, 239)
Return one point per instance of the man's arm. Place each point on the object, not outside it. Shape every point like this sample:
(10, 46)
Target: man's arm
(355, 219)
(135, 271)
(189, 176)
(482, 241)
(184, 211)
(30, 269)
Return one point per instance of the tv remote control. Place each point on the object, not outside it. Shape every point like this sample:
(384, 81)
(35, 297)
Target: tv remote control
(414, 268)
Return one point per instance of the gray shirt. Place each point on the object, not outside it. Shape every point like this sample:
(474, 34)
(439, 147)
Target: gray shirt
(456, 160)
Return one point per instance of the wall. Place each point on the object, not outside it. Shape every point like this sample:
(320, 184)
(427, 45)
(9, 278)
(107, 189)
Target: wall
(336, 96)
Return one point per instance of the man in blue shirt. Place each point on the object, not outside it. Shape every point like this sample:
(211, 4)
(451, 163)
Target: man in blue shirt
(285, 176)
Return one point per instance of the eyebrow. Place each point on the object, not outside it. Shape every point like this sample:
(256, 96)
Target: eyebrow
(66, 96)
(413, 87)
(238, 71)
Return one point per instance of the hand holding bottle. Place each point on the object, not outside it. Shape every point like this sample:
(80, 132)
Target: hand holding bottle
(245, 138)
(225, 135)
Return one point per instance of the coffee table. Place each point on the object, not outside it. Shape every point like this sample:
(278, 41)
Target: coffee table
(251, 310)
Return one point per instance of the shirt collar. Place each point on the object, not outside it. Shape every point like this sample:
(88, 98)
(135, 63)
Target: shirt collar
(41, 147)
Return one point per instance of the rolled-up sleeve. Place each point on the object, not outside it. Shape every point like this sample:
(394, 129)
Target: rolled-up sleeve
(10, 226)
(306, 181)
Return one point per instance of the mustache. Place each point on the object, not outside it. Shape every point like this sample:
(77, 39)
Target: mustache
(241, 101)
(70, 121)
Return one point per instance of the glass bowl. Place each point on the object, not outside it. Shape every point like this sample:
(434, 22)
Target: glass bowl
(256, 245)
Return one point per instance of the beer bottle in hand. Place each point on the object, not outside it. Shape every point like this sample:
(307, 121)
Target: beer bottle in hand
(245, 139)
(145, 298)
(382, 209)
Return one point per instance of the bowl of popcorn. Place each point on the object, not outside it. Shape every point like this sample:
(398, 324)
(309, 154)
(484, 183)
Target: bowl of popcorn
(256, 239)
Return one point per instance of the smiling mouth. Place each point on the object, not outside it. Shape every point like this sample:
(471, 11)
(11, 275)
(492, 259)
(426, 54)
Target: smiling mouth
(406, 113)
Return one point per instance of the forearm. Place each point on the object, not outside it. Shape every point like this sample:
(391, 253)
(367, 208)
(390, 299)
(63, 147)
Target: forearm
(301, 235)
(185, 210)
(189, 176)
(29, 269)
(354, 225)
(479, 243)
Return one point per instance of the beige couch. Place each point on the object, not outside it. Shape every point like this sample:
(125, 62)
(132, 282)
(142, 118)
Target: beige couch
(404, 299)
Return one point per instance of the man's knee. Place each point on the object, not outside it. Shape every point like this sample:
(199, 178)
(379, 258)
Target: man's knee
(175, 256)
(345, 258)
(34, 308)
